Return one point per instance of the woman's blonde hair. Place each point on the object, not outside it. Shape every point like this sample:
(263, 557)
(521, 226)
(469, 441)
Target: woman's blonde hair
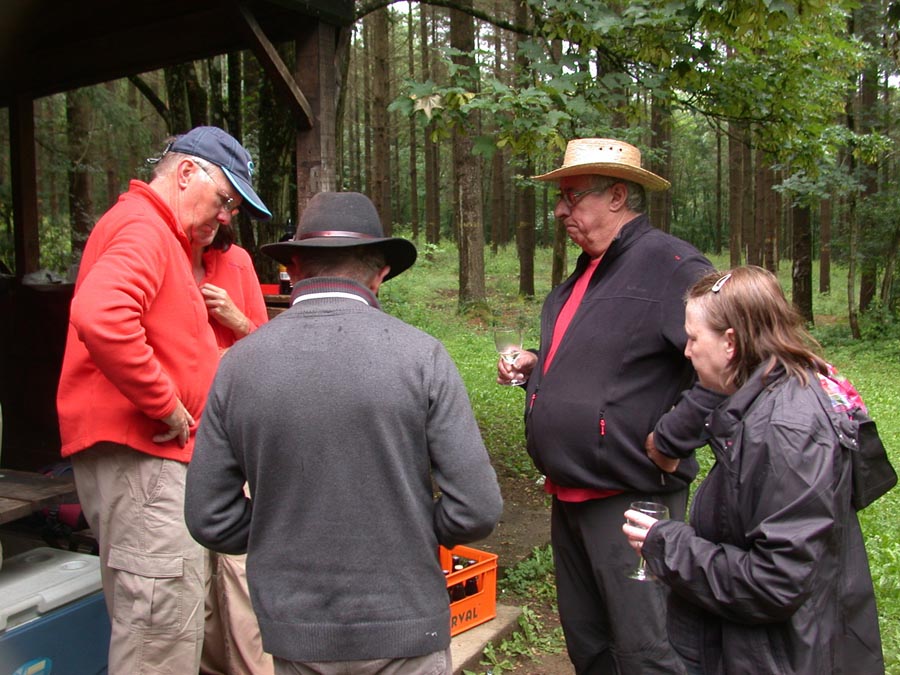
(767, 328)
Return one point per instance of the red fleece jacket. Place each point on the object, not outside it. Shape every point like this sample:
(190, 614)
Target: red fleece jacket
(139, 336)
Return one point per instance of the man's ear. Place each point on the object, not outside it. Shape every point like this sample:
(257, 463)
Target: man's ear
(618, 195)
(293, 270)
(183, 172)
(376, 281)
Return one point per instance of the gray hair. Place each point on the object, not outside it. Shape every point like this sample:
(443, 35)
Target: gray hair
(167, 162)
(637, 196)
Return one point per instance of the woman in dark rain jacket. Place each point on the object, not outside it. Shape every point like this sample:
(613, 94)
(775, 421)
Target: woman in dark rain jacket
(771, 576)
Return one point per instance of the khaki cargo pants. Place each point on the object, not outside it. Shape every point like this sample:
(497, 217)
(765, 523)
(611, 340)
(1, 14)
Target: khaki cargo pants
(152, 570)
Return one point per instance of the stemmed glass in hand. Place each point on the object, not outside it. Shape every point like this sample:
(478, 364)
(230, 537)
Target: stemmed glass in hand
(509, 344)
(655, 510)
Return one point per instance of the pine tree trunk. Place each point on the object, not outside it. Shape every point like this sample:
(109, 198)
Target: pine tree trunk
(868, 123)
(748, 232)
(660, 140)
(216, 92)
(719, 189)
(801, 271)
(381, 146)
(498, 209)
(413, 148)
(766, 228)
(498, 202)
(735, 188)
(81, 206)
(467, 169)
(825, 218)
(179, 120)
(525, 239)
(235, 110)
(430, 149)
(525, 206)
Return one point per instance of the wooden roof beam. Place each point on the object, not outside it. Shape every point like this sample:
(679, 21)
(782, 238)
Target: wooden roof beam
(276, 69)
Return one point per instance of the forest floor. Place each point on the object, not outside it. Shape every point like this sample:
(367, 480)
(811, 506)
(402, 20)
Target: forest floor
(524, 526)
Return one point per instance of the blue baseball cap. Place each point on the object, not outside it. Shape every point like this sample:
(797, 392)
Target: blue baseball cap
(222, 149)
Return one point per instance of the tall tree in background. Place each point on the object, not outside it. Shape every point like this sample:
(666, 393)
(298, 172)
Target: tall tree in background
(431, 152)
(467, 166)
(525, 195)
(867, 121)
(750, 245)
(801, 270)
(81, 204)
(825, 222)
(498, 193)
(735, 188)
(661, 160)
(275, 169)
(764, 217)
(413, 141)
(381, 141)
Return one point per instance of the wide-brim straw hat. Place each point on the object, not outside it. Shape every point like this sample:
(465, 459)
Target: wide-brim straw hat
(340, 219)
(605, 157)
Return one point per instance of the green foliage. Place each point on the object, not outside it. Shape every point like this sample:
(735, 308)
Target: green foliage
(56, 247)
(531, 585)
(531, 578)
(532, 639)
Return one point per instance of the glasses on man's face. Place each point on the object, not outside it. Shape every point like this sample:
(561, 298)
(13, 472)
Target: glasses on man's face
(571, 197)
(226, 202)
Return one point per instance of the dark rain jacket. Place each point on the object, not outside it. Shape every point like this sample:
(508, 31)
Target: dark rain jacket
(771, 576)
(619, 367)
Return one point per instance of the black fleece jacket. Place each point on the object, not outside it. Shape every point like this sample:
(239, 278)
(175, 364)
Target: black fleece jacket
(620, 366)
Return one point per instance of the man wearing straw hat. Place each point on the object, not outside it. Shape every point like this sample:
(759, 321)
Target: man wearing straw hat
(339, 415)
(610, 363)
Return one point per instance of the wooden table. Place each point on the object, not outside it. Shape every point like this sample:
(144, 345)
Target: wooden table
(24, 492)
(276, 304)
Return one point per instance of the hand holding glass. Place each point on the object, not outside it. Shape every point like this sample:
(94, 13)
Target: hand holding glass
(509, 343)
(654, 510)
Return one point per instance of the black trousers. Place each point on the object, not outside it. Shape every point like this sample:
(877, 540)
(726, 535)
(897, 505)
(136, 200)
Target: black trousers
(613, 625)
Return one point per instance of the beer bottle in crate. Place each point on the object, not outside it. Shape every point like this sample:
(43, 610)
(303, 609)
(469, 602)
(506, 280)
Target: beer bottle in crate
(457, 592)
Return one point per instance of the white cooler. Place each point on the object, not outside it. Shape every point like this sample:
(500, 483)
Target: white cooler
(52, 614)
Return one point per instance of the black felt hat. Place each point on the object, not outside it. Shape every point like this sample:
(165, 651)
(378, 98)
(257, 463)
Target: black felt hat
(340, 219)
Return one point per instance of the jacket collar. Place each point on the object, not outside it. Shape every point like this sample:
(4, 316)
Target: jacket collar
(332, 287)
(734, 409)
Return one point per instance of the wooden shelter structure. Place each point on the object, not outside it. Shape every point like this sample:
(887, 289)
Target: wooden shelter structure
(52, 46)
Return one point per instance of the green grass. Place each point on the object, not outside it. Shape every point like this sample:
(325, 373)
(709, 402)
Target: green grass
(425, 296)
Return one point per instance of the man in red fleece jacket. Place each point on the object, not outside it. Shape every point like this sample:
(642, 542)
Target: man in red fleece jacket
(140, 356)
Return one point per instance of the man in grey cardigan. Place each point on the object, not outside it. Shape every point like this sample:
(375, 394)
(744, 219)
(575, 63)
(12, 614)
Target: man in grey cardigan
(342, 419)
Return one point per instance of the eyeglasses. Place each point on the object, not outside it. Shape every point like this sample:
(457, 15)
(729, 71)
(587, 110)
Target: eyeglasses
(716, 287)
(571, 197)
(227, 202)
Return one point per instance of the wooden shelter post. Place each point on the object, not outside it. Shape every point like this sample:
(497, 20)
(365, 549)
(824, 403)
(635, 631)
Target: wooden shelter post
(317, 75)
(24, 185)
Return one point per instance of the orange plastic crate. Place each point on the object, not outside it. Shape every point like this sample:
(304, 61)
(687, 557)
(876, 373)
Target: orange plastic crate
(480, 604)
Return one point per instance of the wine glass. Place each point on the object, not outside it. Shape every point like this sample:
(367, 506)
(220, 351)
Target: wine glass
(658, 511)
(509, 343)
